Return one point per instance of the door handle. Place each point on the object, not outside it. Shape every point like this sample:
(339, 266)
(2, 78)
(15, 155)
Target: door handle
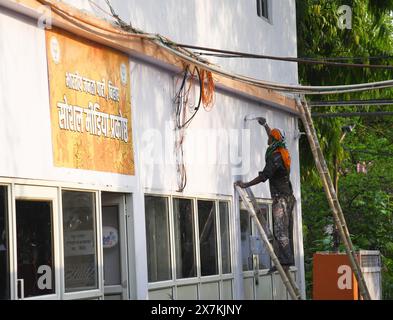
(22, 288)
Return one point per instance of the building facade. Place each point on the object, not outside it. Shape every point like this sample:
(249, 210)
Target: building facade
(102, 194)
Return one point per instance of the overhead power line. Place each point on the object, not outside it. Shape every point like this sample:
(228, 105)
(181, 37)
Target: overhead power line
(352, 114)
(373, 102)
(236, 54)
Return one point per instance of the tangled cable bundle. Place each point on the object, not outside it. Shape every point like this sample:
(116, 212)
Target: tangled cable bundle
(185, 103)
(207, 91)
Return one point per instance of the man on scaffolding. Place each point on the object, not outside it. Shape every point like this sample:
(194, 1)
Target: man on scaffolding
(277, 170)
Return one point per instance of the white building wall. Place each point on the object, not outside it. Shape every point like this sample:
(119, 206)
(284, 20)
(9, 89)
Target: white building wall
(25, 129)
(213, 141)
(224, 24)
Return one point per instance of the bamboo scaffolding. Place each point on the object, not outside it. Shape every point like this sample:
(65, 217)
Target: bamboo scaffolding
(331, 195)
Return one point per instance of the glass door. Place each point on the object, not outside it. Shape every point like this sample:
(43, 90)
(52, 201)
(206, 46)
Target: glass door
(36, 255)
(114, 246)
(255, 257)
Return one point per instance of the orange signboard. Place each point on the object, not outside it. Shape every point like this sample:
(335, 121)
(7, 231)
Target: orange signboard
(333, 278)
(90, 105)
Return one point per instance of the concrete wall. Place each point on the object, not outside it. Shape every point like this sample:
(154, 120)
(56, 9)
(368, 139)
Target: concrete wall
(225, 24)
(213, 143)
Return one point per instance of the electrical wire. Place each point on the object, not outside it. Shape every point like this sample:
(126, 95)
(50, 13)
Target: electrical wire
(181, 101)
(311, 90)
(352, 114)
(189, 57)
(236, 54)
(372, 102)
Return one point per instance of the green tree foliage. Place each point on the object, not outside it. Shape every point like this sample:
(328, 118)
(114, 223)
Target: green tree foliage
(366, 198)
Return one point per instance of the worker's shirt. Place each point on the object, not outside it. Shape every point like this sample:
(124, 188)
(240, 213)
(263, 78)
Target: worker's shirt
(278, 175)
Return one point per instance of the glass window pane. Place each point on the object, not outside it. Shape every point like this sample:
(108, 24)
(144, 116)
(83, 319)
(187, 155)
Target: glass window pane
(35, 247)
(225, 237)
(158, 243)
(207, 237)
(111, 245)
(265, 12)
(80, 248)
(184, 238)
(263, 217)
(245, 229)
(4, 257)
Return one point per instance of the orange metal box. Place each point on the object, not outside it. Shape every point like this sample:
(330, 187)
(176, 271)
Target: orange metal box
(333, 278)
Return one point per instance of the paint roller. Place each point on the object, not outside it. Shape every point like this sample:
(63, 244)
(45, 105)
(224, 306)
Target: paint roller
(251, 117)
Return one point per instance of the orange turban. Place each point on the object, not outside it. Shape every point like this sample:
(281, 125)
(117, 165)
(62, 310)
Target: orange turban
(279, 141)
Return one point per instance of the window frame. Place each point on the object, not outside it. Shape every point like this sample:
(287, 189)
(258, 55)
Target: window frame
(90, 293)
(219, 239)
(269, 7)
(195, 238)
(198, 279)
(171, 241)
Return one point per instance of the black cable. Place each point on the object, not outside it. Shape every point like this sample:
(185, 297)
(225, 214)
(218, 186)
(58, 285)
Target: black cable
(378, 102)
(288, 59)
(179, 97)
(223, 55)
(199, 102)
(352, 114)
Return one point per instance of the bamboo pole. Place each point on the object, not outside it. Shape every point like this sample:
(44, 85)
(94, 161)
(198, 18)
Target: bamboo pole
(332, 196)
(287, 279)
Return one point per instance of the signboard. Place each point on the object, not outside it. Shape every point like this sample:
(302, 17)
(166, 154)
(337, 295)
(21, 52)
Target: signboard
(79, 243)
(90, 104)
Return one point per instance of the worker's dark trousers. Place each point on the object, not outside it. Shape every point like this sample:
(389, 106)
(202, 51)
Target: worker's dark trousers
(283, 228)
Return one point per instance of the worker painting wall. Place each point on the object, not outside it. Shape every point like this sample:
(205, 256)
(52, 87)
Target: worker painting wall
(219, 146)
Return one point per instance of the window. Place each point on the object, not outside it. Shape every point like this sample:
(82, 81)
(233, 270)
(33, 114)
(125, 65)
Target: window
(263, 9)
(263, 217)
(251, 242)
(245, 235)
(4, 257)
(157, 233)
(207, 237)
(184, 238)
(225, 237)
(80, 247)
(193, 219)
